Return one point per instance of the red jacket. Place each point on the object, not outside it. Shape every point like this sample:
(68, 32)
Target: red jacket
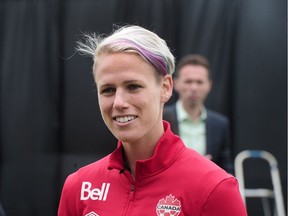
(175, 181)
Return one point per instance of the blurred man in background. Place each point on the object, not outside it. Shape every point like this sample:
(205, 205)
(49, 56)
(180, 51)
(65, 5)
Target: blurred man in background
(201, 129)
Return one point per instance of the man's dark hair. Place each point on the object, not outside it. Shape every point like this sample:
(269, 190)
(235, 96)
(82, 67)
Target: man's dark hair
(193, 59)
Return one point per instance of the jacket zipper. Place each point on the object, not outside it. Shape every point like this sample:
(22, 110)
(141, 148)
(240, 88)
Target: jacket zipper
(130, 202)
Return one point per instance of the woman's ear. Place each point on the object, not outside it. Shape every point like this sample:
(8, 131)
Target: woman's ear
(167, 88)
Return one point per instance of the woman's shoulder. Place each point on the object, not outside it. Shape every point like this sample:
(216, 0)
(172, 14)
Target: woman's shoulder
(195, 164)
(88, 171)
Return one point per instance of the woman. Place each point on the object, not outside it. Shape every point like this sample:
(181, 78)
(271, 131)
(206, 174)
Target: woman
(151, 172)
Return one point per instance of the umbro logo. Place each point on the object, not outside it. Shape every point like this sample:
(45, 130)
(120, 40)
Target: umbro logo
(92, 214)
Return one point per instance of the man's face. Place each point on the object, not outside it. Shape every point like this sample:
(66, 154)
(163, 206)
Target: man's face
(192, 84)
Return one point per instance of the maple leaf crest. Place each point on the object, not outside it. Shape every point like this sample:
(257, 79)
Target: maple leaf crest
(168, 206)
(170, 201)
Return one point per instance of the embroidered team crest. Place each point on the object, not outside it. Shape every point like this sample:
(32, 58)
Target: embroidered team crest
(168, 206)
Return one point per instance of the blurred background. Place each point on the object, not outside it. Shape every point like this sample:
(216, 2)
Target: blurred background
(50, 120)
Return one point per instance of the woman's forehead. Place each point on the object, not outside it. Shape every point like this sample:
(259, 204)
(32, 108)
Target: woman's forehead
(116, 60)
(124, 66)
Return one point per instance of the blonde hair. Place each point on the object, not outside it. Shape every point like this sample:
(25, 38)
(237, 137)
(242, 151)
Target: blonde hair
(130, 39)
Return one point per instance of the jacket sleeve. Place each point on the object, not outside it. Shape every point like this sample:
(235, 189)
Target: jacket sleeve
(225, 200)
(68, 205)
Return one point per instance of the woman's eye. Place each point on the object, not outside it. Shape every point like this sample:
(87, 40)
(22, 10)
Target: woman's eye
(107, 91)
(133, 87)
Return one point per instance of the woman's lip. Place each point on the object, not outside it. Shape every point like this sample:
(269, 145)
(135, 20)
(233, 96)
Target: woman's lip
(124, 119)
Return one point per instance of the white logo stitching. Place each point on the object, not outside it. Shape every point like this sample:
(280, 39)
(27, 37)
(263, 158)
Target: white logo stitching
(95, 193)
(92, 214)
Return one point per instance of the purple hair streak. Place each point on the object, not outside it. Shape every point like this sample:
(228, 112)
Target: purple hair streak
(159, 62)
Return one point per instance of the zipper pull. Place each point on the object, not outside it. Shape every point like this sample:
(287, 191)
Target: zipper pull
(132, 188)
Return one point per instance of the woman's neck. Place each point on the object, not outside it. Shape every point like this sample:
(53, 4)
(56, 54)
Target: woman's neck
(133, 154)
(141, 150)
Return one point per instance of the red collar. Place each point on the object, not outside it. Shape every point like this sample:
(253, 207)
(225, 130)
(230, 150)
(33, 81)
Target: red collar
(167, 150)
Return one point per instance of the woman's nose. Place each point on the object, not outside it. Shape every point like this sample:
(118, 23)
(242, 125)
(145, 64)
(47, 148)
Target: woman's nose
(120, 100)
